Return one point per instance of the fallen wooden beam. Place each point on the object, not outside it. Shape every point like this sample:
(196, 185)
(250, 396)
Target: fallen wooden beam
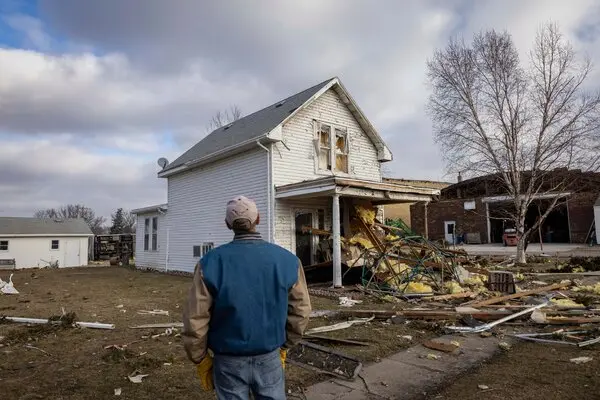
(165, 325)
(334, 340)
(450, 296)
(41, 321)
(495, 300)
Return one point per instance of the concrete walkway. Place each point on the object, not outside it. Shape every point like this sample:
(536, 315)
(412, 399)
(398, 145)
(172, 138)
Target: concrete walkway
(410, 374)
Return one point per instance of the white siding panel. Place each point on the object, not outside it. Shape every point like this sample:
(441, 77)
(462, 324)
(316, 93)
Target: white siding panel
(151, 258)
(298, 163)
(31, 252)
(197, 201)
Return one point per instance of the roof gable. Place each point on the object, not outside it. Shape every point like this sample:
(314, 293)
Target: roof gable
(250, 127)
(263, 124)
(43, 226)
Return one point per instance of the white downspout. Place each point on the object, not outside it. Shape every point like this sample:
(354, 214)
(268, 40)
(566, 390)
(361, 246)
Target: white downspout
(167, 255)
(269, 180)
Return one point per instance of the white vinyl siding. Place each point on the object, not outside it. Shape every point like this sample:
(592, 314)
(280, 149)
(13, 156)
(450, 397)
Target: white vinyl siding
(38, 252)
(197, 201)
(146, 256)
(299, 160)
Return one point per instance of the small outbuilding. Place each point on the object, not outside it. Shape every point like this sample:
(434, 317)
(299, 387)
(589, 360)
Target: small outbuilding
(36, 242)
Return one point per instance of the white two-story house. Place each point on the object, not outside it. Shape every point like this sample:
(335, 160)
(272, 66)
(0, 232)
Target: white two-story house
(304, 160)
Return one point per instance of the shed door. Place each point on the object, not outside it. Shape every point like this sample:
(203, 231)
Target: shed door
(72, 253)
(449, 233)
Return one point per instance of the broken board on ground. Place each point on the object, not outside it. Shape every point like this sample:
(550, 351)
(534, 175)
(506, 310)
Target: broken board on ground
(324, 360)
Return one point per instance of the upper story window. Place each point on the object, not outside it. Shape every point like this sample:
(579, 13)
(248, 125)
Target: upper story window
(332, 147)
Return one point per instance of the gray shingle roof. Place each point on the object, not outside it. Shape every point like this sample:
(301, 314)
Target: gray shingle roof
(37, 226)
(248, 127)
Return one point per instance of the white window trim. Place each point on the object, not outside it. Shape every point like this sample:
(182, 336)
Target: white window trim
(332, 147)
(58, 248)
(149, 233)
(203, 246)
(7, 246)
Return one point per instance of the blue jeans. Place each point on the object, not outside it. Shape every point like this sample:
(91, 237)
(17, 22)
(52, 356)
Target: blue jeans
(236, 376)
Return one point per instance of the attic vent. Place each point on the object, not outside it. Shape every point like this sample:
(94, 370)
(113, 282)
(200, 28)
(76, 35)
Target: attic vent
(279, 104)
(228, 126)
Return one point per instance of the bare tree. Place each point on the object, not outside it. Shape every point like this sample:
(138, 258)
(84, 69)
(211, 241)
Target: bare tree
(96, 223)
(493, 116)
(222, 118)
(129, 222)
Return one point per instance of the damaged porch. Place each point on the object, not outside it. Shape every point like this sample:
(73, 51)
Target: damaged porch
(324, 208)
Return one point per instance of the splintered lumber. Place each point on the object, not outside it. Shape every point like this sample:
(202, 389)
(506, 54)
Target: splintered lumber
(495, 300)
(335, 340)
(450, 296)
(426, 314)
(41, 321)
(150, 326)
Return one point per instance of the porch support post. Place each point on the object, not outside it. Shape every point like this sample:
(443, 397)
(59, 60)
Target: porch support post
(337, 246)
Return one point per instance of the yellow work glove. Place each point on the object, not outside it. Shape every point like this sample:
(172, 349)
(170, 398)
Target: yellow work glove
(205, 373)
(283, 356)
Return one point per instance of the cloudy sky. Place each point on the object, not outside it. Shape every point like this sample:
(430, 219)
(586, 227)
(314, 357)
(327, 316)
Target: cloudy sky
(92, 93)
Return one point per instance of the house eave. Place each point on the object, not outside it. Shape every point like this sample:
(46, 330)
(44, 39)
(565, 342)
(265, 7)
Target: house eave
(543, 196)
(356, 188)
(150, 209)
(268, 137)
(54, 235)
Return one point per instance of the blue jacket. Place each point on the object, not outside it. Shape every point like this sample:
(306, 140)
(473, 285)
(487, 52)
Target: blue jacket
(249, 281)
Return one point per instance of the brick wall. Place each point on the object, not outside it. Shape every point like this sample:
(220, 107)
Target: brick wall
(468, 221)
(581, 215)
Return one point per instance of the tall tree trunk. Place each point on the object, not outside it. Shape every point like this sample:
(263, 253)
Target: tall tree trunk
(521, 256)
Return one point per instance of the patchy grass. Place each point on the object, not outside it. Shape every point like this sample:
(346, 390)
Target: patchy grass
(76, 364)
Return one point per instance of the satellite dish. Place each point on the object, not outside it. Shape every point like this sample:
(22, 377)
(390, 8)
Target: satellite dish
(162, 162)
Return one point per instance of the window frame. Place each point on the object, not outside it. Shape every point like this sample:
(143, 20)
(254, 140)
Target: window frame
(206, 247)
(332, 148)
(52, 244)
(146, 233)
(202, 249)
(7, 245)
(155, 233)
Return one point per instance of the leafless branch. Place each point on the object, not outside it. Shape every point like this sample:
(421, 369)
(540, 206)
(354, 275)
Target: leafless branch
(492, 116)
(222, 118)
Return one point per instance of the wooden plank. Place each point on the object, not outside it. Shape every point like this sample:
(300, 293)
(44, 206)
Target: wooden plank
(335, 340)
(499, 299)
(450, 296)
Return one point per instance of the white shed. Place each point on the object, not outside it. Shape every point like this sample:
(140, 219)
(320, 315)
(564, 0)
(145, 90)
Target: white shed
(35, 242)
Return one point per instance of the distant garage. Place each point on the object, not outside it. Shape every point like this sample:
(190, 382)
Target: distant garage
(35, 242)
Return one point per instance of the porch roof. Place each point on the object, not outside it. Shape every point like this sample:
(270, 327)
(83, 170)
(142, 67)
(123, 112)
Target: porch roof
(381, 192)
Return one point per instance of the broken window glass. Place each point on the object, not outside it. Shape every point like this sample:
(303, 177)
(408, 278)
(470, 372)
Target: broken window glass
(324, 147)
(341, 150)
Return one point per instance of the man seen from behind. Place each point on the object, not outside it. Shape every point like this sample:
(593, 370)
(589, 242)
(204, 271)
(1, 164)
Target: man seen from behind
(248, 304)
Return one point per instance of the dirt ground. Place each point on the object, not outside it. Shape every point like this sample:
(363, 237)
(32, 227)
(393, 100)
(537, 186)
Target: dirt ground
(42, 362)
(531, 371)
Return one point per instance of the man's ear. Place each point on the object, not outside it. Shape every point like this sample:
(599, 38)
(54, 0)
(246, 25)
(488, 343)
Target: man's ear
(258, 219)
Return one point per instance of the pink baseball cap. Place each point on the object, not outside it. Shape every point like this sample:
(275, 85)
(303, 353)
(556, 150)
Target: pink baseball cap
(241, 207)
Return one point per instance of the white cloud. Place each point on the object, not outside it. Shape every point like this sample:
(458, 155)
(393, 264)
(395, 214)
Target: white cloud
(91, 124)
